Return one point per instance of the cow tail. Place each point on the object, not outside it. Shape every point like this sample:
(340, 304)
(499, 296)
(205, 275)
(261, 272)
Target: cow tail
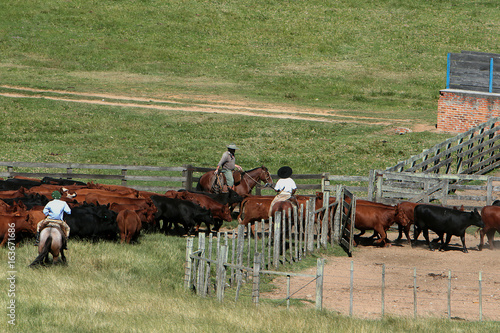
(45, 251)
(241, 215)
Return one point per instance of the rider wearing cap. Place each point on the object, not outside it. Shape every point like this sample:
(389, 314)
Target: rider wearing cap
(285, 186)
(54, 212)
(227, 164)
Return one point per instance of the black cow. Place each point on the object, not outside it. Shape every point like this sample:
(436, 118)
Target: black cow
(60, 181)
(92, 222)
(442, 221)
(30, 200)
(13, 184)
(187, 213)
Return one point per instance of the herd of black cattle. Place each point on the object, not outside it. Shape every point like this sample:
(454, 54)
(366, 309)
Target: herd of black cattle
(98, 212)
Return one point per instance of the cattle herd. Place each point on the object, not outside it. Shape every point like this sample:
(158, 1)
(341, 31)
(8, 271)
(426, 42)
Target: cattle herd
(113, 212)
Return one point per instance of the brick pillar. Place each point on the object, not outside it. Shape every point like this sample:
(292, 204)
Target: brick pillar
(460, 110)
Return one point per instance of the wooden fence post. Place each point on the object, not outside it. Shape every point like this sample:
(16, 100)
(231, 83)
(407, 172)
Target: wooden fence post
(310, 226)
(383, 290)
(320, 269)
(480, 296)
(337, 223)
(201, 265)
(283, 236)
(187, 183)
(221, 273)
(239, 258)
(351, 289)
(415, 293)
(233, 256)
(206, 283)
(256, 278)
(449, 294)
(189, 263)
(124, 174)
(277, 233)
(296, 233)
(269, 243)
(324, 223)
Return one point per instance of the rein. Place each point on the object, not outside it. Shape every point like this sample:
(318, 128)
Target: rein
(254, 180)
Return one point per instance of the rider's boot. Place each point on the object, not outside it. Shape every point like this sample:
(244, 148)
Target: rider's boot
(37, 239)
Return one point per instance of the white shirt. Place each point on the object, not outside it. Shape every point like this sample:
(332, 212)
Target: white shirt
(285, 185)
(55, 209)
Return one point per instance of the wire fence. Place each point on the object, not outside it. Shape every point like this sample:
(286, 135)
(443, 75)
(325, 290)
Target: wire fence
(361, 290)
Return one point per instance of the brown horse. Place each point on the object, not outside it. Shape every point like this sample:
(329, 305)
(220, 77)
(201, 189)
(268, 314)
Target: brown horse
(51, 241)
(249, 179)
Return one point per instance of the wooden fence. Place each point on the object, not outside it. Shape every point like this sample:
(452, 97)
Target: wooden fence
(238, 258)
(475, 71)
(476, 151)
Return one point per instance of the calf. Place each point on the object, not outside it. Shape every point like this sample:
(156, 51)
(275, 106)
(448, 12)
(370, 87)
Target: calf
(442, 221)
(491, 219)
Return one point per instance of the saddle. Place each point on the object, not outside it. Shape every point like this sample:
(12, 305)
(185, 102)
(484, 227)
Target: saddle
(59, 226)
(218, 182)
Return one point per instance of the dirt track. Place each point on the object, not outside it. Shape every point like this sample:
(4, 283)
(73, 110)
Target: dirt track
(209, 104)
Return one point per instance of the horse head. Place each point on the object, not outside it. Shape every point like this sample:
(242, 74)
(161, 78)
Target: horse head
(265, 176)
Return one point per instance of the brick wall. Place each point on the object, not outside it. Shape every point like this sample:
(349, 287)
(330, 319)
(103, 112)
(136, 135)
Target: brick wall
(460, 110)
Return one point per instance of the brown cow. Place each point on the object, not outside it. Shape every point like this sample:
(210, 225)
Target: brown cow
(491, 219)
(81, 194)
(129, 225)
(146, 214)
(104, 199)
(377, 218)
(255, 208)
(12, 225)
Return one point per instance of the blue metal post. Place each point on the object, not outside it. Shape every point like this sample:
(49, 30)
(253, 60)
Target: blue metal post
(491, 75)
(448, 72)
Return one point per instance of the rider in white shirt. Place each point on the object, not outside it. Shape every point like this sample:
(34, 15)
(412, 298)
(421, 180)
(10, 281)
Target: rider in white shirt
(285, 186)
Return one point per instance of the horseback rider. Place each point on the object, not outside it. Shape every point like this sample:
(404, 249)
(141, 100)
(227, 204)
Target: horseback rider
(285, 187)
(54, 212)
(227, 164)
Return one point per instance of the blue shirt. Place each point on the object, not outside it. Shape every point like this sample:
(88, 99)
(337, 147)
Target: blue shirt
(55, 209)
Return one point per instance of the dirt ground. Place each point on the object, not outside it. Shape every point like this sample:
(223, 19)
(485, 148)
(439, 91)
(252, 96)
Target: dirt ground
(214, 104)
(401, 261)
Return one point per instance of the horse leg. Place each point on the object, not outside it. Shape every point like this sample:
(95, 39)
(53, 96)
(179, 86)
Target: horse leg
(63, 257)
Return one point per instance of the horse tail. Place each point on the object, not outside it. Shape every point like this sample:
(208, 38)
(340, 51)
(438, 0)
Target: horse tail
(45, 251)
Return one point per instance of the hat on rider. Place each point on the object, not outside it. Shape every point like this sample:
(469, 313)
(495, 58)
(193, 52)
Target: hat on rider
(56, 195)
(285, 172)
(232, 146)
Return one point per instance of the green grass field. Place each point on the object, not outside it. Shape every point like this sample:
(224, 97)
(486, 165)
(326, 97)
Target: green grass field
(380, 63)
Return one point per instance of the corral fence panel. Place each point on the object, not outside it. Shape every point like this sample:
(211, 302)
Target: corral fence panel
(476, 151)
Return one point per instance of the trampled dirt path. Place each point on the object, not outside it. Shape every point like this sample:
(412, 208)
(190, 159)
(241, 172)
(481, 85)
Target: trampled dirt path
(210, 105)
